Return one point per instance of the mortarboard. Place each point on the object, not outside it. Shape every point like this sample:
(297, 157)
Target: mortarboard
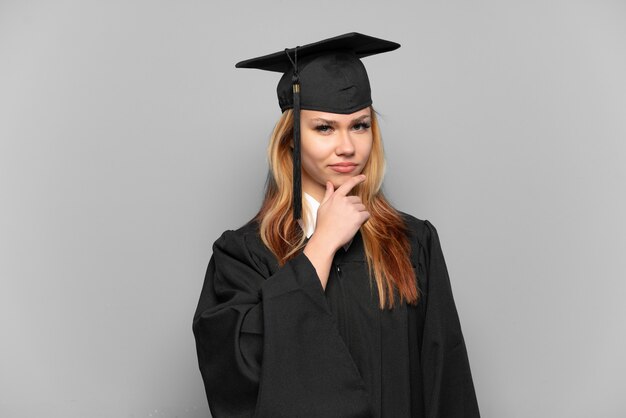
(326, 76)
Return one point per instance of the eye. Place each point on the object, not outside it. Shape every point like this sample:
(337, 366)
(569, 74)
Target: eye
(323, 128)
(361, 126)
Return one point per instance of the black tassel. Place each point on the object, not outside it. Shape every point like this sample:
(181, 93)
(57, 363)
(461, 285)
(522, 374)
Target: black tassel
(297, 181)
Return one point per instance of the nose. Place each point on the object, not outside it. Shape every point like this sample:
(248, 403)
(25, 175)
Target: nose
(345, 145)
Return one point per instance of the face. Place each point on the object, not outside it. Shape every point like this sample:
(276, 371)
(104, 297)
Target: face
(328, 139)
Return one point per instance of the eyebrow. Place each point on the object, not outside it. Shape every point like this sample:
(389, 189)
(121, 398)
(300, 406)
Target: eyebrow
(332, 122)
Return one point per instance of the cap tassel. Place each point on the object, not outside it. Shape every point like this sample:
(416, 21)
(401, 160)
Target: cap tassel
(297, 171)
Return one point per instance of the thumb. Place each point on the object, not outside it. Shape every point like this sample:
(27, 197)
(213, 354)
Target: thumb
(329, 191)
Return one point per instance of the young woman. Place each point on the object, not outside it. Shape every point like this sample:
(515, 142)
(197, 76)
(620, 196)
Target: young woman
(330, 302)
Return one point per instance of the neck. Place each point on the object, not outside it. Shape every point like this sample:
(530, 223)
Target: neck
(316, 190)
(318, 199)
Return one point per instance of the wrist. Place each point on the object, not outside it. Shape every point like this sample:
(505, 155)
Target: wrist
(318, 245)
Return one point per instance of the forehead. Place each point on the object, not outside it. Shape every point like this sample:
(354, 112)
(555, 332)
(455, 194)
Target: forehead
(338, 117)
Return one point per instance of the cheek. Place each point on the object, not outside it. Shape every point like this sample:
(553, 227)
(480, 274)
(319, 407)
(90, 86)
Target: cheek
(364, 147)
(311, 162)
(315, 151)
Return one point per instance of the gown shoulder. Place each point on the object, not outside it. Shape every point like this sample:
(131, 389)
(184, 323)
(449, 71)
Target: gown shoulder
(422, 234)
(420, 228)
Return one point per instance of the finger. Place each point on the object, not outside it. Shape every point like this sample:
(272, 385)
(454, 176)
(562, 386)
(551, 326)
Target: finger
(354, 199)
(348, 185)
(329, 191)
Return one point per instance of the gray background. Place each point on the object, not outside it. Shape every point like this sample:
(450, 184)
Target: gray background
(129, 142)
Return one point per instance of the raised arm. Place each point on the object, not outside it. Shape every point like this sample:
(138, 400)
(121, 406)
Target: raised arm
(267, 344)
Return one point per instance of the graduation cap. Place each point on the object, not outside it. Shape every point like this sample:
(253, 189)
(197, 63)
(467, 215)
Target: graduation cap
(326, 76)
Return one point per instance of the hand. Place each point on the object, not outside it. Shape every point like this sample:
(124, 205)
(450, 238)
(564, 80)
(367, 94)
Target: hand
(339, 216)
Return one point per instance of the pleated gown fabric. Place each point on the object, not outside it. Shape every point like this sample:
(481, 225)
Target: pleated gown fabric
(272, 343)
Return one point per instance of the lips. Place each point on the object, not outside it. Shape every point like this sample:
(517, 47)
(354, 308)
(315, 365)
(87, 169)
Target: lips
(343, 167)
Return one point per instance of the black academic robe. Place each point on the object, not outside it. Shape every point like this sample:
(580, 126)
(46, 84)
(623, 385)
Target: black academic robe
(272, 343)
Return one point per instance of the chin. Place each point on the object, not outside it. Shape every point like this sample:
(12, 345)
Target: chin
(339, 181)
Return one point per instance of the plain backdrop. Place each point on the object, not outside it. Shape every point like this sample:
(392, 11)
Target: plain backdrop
(129, 143)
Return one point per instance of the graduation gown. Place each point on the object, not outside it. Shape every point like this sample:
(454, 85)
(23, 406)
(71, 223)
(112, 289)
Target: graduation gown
(271, 342)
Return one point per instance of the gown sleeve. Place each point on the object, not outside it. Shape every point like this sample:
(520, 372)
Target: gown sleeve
(448, 386)
(268, 345)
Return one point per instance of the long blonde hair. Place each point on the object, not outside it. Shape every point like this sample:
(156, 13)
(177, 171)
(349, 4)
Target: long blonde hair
(385, 239)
